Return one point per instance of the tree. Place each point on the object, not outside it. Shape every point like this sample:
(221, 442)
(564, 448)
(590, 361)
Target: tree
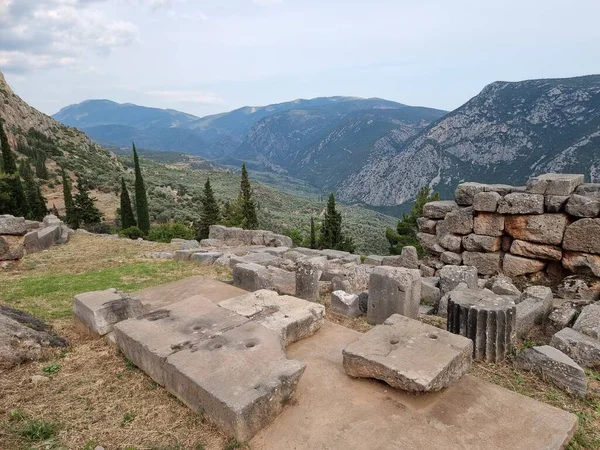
(17, 203)
(313, 234)
(85, 209)
(406, 229)
(127, 217)
(210, 214)
(232, 213)
(9, 165)
(248, 206)
(70, 217)
(33, 192)
(331, 231)
(141, 198)
(40, 167)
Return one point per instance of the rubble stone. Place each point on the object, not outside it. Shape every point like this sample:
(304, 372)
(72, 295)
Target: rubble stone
(460, 221)
(504, 286)
(408, 258)
(345, 304)
(451, 242)
(430, 244)
(562, 317)
(555, 183)
(583, 349)
(582, 262)
(451, 276)
(576, 287)
(454, 259)
(465, 193)
(479, 243)
(555, 203)
(14, 226)
(393, 290)
(430, 292)
(426, 225)
(11, 247)
(588, 321)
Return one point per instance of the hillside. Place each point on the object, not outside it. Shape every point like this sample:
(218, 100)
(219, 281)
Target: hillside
(510, 131)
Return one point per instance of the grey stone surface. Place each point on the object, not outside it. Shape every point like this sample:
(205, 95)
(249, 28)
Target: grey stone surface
(308, 275)
(451, 258)
(577, 236)
(238, 236)
(521, 203)
(11, 225)
(563, 316)
(290, 317)
(536, 251)
(363, 301)
(451, 242)
(539, 294)
(514, 266)
(583, 349)
(488, 224)
(264, 259)
(345, 304)
(441, 307)
(430, 243)
(486, 201)
(451, 276)
(426, 271)
(585, 263)
(184, 255)
(581, 288)
(253, 277)
(529, 314)
(408, 258)
(542, 229)
(189, 244)
(11, 247)
(409, 355)
(504, 286)
(212, 243)
(555, 203)
(485, 263)
(438, 209)
(206, 258)
(552, 364)
(589, 189)
(426, 225)
(485, 318)
(465, 193)
(430, 292)
(276, 251)
(162, 255)
(460, 221)
(99, 311)
(588, 321)
(555, 183)
(581, 206)
(481, 243)
(393, 290)
(374, 260)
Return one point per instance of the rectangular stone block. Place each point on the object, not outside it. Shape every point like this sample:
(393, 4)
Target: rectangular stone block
(555, 183)
(99, 311)
(460, 221)
(252, 277)
(542, 229)
(536, 251)
(488, 224)
(11, 247)
(486, 263)
(481, 243)
(582, 206)
(345, 304)
(521, 203)
(584, 350)
(486, 201)
(514, 266)
(393, 290)
(373, 260)
(555, 203)
(582, 236)
(439, 209)
(14, 226)
(465, 192)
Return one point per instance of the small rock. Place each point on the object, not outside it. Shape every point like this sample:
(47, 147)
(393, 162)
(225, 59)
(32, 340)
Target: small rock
(503, 286)
(563, 316)
(588, 321)
(583, 349)
(345, 304)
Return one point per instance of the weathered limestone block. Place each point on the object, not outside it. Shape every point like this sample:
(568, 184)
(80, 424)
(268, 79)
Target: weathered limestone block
(276, 251)
(454, 259)
(555, 203)
(536, 251)
(373, 260)
(563, 316)
(504, 286)
(485, 318)
(465, 193)
(308, 274)
(588, 321)
(408, 258)
(486, 263)
(426, 225)
(583, 349)
(430, 244)
(514, 266)
(521, 203)
(31, 242)
(11, 247)
(291, 318)
(358, 276)
(206, 258)
(49, 236)
(555, 183)
(580, 206)
(393, 290)
(488, 224)
(161, 255)
(588, 189)
(439, 209)
(460, 221)
(430, 292)
(189, 244)
(451, 242)
(14, 226)
(579, 236)
(542, 229)
(253, 277)
(336, 254)
(486, 201)
(552, 364)
(502, 189)
(441, 308)
(481, 243)
(577, 287)
(539, 294)
(582, 262)
(409, 355)
(248, 237)
(218, 243)
(263, 259)
(184, 255)
(99, 311)
(452, 276)
(529, 314)
(427, 271)
(338, 284)
(345, 304)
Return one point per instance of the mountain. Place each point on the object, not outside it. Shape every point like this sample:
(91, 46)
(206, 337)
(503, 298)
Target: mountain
(507, 133)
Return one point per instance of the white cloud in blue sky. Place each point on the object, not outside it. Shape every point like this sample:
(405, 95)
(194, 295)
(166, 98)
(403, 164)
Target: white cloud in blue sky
(208, 56)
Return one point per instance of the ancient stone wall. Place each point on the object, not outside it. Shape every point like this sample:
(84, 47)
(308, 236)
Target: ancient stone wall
(551, 224)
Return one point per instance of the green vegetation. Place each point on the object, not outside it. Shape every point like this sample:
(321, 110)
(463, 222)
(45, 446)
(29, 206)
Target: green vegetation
(126, 211)
(167, 231)
(141, 198)
(331, 231)
(210, 214)
(51, 369)
(37, 430)
(69, 218)
(12, 196)
(131, 233)
(406, 229)
(85, 212)
(33, 192)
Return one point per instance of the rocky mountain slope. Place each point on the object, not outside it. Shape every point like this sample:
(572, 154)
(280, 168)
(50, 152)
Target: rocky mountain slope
(510, 131)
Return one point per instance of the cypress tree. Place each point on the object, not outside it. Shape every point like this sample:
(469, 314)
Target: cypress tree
(141, 199)
(17, 204)
(210, 212)
(127, 217)
(313, 234)
(70, 216)
(40, 167)
(331, 232)
(84, 206)
(248, 205)
(9, 165)
(33, 192)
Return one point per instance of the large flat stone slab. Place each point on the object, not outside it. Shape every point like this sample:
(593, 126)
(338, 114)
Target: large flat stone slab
(337, 412)
(99, 311)
(409, 355)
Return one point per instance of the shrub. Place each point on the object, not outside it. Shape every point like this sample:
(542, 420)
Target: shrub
(99, 228)
(37, 430)
(167, 231)
(131, 233)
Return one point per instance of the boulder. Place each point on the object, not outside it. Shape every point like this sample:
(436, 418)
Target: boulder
(460, 221)
(439, 209)
(536, 251)
(488, 224)
(588, 321)
(184, 255)
(451, 258)
(480, 243)
(465, 193)
(308, 274)
(345, 304)
(555, 183)
(554, 365)
(430, 292)
(99, 311)
(189, 244)
(409, 355)
(577, 287)
(206, 258)
(426, 225)
(555, 203)
(253, 277)
(393, 290)
(515, 266)
(451, 242)
(408, 258)
(451, 276)
(580, 206)
(582, 263)
(14, 226)
(583, 349)
(485, 263)
(577, 236)
(12, 247)
(562, 317)
(521, 203)
(486, 201)
(542, 229)
(373, 260)
(430, 243)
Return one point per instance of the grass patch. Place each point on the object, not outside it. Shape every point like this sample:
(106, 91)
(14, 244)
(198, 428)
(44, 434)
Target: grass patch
(51, 369)
(37, 430)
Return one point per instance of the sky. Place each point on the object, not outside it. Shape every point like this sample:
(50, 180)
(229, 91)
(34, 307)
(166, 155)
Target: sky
(210, 56)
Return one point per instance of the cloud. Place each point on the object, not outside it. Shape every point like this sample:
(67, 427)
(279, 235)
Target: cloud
(198, 97)
(44, 34)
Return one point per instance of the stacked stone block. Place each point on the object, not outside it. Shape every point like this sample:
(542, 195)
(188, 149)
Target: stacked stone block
(555, 219)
